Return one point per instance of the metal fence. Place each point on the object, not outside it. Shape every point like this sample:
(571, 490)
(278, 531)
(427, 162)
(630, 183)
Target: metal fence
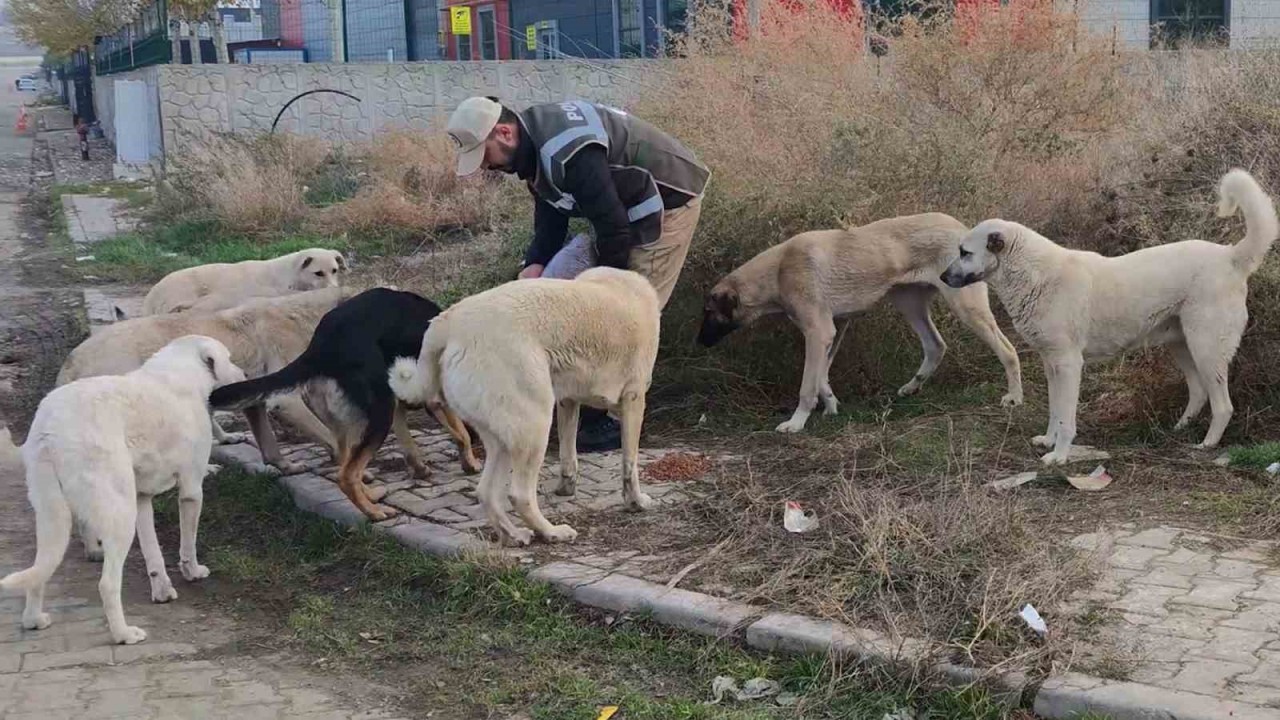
(373, 30)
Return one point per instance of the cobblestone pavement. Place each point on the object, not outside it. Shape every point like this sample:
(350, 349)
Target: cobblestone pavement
(448, 496)
(1188, 612)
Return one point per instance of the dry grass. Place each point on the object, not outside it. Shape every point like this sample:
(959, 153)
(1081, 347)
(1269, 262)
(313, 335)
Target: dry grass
(401, 186)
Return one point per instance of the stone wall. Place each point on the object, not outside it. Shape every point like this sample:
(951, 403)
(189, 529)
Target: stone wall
(199, 99)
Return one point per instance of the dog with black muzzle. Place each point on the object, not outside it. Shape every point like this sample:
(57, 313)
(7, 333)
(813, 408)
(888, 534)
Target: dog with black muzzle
(816, 277)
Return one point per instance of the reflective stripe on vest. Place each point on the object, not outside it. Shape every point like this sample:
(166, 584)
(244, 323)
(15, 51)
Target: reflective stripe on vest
(594, 129)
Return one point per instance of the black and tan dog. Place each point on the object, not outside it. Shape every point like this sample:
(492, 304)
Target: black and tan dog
(343, 376)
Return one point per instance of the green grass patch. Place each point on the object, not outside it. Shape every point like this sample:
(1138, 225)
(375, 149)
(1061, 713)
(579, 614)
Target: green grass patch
(482, 636)
(1257, 457)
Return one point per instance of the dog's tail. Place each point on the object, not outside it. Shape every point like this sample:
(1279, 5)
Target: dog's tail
(1239, 191)
(238, 396)
(418, 382)
(53, 522)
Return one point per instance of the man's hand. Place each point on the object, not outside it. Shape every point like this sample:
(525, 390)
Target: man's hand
(530, 271)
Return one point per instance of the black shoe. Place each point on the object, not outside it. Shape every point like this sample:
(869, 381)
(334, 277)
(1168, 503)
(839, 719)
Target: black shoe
(600, 435)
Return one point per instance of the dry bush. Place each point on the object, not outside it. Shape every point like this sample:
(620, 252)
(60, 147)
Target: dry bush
(1012, 113)
(410, 187)
(251, 185)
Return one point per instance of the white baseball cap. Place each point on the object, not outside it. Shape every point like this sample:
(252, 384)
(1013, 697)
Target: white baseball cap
(469, 126)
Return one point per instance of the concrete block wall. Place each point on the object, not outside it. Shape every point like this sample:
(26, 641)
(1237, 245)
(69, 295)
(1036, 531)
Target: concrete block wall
(199, 99)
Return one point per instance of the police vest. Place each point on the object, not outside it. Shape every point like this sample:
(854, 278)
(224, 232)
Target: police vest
(640, 156)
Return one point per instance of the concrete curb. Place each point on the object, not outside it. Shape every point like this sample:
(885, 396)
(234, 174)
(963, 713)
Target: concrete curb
(1062, 697)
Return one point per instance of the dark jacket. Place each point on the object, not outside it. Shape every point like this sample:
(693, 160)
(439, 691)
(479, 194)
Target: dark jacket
(619, 172)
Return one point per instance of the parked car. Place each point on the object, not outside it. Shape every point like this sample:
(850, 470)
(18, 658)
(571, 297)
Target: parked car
(27, 84)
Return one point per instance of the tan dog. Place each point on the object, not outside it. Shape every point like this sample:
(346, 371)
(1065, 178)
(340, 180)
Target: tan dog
(505, 358)
(224, 285)
(263, 336)
(1073, 306)
(816, 277)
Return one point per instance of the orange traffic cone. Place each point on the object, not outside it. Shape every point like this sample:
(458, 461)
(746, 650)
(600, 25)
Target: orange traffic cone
(22, 119)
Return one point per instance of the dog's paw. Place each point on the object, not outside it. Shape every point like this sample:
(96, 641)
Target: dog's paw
(131, 636)
(791, 426)
(289, 468)
(1011, 400)
(234, 438)
(418, 470)
(93, 553)
(519, 537)
(1043, 441)
(1205, 446)
(382, 512)
(910, 388)
(375, 493)
(211, 469)
(472, 466)
(39, 622)
(568, 486)
(830, 406)
(192, 572)
(162, 590)
(640, 502)
(1054, 458)
(561, 533)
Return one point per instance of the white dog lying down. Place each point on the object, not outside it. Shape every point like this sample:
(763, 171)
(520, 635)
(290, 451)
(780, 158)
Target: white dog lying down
(1074, 306)
(504, 358)
(99, 449)
(224, 285)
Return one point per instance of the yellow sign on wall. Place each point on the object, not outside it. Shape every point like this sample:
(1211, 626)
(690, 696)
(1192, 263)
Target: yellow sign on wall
(531, 37)
(460, 19)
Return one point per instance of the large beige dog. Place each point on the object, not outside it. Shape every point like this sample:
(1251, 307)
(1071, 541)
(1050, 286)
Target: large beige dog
(1074, 306)
(816, 277)
(263, 336)
(99, 450)
(224, 285)
(503, 359)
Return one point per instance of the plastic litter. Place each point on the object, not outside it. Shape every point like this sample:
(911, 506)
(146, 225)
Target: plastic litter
(1274, 468)
(1094, 481)
(900, 714)
(1012, 481)
(1033, 620)
(797, 520)
(753, 689)
(607, 712)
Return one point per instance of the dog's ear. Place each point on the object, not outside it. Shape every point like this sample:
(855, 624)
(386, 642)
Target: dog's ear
(725, 303)
(306, 261)
(995, 242)
(342, 262)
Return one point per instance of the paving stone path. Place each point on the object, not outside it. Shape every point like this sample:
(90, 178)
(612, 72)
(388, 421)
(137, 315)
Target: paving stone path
(448, 496)
(1188, 612)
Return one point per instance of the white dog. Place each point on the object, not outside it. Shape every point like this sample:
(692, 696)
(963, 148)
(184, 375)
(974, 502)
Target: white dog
(99, 449)
(503, 359)
(224, 285)
(1074, 306)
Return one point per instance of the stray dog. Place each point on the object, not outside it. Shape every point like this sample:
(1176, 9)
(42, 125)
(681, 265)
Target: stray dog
(503, 359)
(1073, 306)
(816, 277)
(99, 449)
(263, 335)
(224, 285)
(343, 374)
